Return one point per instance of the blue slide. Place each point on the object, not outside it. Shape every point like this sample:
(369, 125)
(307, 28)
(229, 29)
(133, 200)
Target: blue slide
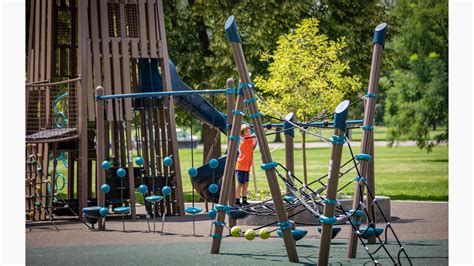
(149, 80)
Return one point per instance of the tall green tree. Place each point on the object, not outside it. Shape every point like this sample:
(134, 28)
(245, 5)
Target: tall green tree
(356, 21)
(417, 90)
(307, 75)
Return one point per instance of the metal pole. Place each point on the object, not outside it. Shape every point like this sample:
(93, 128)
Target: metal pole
(367, 134)
(330, 202)
(230, 84)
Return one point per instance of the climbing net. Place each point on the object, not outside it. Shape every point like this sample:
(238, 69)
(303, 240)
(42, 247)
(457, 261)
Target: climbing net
(309, 197)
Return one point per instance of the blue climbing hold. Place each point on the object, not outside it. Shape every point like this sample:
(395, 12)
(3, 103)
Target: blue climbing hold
(212, 213)
(139, 161)
(213, 163)
(121, 172)
(104, 211)
(297, 234)
(105, 165)
(192, 172)
(105, 188)
(166, 190)
(213, 188)
(193, 210)
(167, 161)
(368, 232)
(143, 189)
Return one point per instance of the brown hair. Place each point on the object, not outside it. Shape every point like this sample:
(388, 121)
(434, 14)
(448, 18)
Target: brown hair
(243, 128)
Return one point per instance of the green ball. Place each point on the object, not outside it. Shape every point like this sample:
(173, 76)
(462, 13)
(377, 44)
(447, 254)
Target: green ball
(249, 234)
(264, 233)
(38, 204)
(236, 231)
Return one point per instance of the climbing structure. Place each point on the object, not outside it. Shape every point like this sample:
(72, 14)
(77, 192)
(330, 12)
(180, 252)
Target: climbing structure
(74, 47)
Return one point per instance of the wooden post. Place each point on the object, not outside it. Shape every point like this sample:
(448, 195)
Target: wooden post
(165, 73)
(289, 152)
(330, 201)
(230, 84)
(234, 38)
(82, 104)
(289, 148)
(100, 145)
(367, 134)
(131, 174)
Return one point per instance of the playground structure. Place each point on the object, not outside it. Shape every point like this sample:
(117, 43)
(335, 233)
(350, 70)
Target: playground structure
(119, 53)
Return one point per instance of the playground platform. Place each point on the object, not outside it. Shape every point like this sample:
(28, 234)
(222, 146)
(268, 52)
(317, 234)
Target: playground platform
(421, 226)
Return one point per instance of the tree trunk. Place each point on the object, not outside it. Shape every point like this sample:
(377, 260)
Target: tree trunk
(212, 146)
(278, 135)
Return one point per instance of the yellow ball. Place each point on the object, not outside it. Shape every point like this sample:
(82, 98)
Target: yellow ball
(249, 234)
(264, 233)
(38, 189)
(236, 231)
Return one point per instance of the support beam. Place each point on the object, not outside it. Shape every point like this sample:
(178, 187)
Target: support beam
(248, 93)
(338, 140)
(367, 135)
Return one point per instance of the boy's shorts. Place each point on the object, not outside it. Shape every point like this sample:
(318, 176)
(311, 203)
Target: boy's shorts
(242, 176)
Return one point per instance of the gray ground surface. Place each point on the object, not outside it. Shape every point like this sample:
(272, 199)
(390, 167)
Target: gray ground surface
(423, 226)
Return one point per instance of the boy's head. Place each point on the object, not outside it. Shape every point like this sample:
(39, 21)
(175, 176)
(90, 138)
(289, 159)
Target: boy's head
(245, 130)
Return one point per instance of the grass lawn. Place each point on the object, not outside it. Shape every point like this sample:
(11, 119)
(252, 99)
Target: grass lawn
(402, 173)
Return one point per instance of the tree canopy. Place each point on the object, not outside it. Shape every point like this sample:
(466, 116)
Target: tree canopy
(307, 75)
(417, 89)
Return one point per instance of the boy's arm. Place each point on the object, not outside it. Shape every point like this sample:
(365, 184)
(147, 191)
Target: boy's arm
(254, 140)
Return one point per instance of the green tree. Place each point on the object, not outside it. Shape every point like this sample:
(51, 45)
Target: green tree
(417, 90)
(307, 75)
(356, 21)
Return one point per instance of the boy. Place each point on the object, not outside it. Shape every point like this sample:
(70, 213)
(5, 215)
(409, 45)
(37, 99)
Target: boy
(244, 163)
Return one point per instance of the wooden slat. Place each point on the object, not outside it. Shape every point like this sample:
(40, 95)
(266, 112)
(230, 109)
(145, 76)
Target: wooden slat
(37, 40)
(43, 41)
(49, 41)
(107, 82)
(131, 178)
(117, 88)
(126, 78)
(30, 42)
(134, 48)
(83, 33)
(143, 26)
(144, 141)
(170, 114)
(151, 28)
(90, 85)
(95, 46)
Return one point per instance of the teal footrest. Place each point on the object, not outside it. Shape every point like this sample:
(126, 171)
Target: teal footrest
(122, 210)
(154, 198)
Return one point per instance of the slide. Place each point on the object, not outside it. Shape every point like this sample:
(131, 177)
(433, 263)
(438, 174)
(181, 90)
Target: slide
(149, 80)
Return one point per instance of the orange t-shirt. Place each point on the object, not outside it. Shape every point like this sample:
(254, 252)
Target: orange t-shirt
(245, 160)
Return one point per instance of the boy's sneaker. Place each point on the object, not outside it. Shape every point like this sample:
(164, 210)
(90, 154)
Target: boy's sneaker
(244, 201)
(237, 202)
